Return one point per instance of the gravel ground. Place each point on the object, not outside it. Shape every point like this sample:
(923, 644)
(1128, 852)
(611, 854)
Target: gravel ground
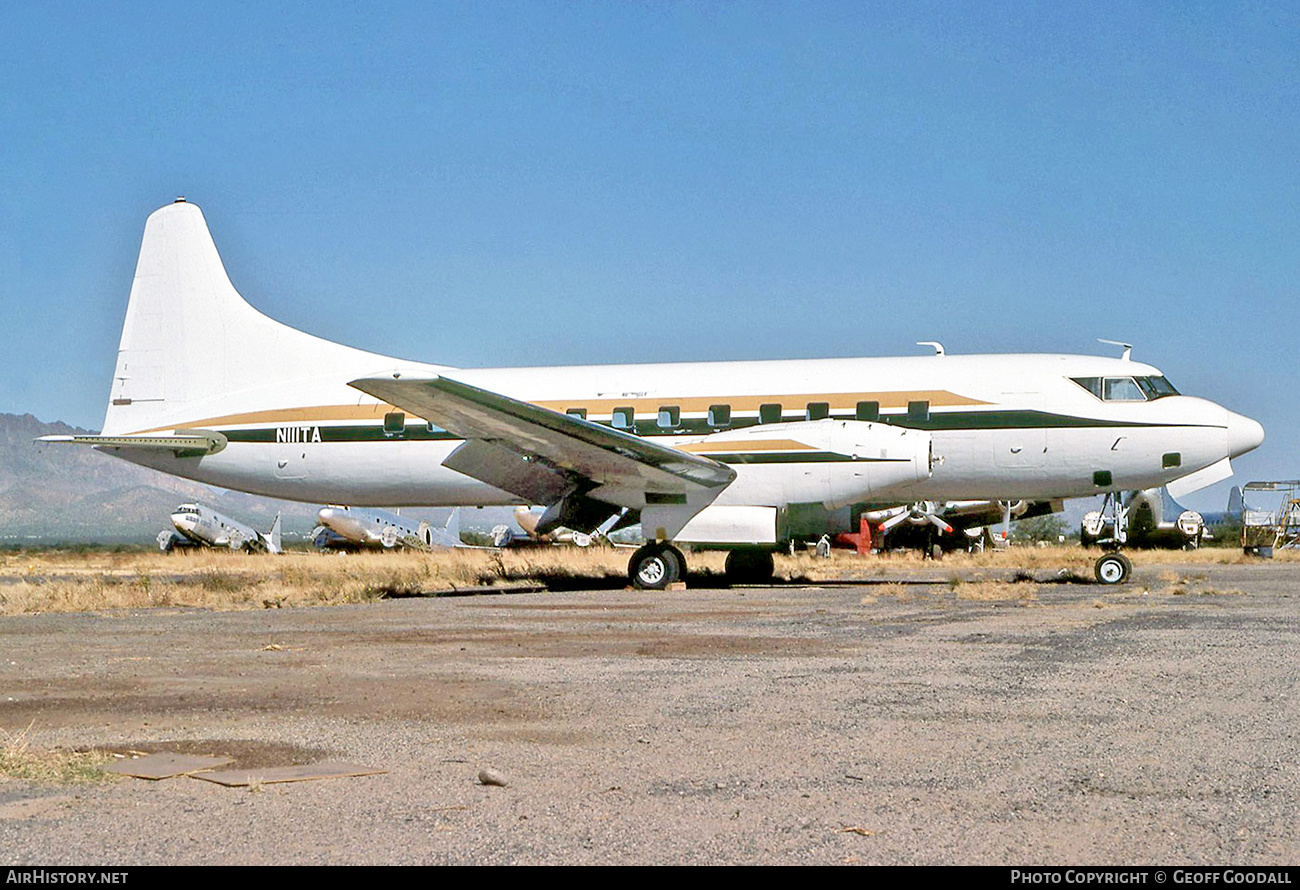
(872, 723)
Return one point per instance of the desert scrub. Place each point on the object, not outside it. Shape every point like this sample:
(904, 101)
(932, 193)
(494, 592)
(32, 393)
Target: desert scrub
(20, 760)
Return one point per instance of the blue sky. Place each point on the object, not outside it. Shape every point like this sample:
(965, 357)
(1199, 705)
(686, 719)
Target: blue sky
(519, 183)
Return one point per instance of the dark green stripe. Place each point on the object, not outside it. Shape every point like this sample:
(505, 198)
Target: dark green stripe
(937, 422)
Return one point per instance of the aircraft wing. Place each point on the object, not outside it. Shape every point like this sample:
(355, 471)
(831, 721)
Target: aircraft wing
(543, 455)
(185, 443)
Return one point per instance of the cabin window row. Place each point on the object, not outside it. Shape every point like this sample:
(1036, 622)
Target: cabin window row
(669, 417)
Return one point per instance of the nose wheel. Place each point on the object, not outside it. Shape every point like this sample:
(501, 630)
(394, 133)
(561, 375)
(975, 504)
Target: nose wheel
(1113, 568)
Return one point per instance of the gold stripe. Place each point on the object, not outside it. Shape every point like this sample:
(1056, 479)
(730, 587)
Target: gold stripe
(297, 416)
(734, 445)
(839, 402)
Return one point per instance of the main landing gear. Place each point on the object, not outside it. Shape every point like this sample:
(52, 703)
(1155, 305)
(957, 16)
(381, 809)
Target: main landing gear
(657, 565)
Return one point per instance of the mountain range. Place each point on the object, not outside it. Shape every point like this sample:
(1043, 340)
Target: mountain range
(68, 494)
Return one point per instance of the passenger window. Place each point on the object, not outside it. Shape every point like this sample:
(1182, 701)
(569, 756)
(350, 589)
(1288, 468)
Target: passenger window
(1121, 389)
(770, 413)
(1171, 460)
(670, 417)
(868, 411)
(818, 411)
(580, 413)
(394, 423)
(624, 419)
(719, 415)
(918, 412)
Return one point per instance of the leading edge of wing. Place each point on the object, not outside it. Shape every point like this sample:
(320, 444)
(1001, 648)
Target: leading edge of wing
(474, 413)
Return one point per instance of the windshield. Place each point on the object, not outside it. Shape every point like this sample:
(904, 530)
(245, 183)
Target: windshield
(1127, 389)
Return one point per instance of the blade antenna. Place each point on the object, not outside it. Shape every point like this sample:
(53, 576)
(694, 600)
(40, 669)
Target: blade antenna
(1128, 347)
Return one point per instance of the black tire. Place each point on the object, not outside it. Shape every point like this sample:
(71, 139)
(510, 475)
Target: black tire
(749, 567)
(654, 567)
(1113, 568)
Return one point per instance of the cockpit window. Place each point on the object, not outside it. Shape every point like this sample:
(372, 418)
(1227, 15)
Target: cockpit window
(1156, 387)
(1121, 389)
(1127, 389)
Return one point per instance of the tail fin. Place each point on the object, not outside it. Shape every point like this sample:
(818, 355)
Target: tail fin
(1235, 501)
(447, 536)
(193, 350)
(452, 529)
(272, 538)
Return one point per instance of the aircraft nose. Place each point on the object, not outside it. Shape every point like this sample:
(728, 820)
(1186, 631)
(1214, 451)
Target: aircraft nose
(1244, 434)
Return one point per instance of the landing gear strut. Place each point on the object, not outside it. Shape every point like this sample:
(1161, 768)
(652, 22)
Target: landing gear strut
(655, 566)
(1109, 530)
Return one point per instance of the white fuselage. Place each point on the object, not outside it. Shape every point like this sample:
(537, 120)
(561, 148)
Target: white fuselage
(366, 527)
(1001, 427)
(204, 526)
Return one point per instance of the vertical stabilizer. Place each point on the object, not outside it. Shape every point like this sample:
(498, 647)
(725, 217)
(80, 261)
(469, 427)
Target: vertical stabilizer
(193, 349)
(272, 538)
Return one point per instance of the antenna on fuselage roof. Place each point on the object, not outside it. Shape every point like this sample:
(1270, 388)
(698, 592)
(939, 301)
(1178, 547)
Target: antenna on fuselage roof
(1128, 348)
(938, 347)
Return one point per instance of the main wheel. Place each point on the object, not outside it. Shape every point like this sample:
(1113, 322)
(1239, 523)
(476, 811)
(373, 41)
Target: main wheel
(749, 567)
(1113, 568)
(654, 567)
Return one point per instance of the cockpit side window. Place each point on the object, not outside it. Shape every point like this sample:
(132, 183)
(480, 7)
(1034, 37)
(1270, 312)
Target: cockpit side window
(1091, 384)
(1121, 389)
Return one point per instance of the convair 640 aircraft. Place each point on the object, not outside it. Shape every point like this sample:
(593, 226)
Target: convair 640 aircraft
(733, 455)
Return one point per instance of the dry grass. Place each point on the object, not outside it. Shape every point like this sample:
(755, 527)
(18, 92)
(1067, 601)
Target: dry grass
(71, 581)
(19, 760)
(218, 579)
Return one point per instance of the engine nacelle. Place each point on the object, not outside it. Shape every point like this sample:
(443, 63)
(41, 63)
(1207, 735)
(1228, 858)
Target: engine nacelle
(840, 462)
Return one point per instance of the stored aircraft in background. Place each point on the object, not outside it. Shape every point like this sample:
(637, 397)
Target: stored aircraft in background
(741, 456)
(528, 518)
(198, 526)
(349, 528)
(1149, 518)
(948, 525)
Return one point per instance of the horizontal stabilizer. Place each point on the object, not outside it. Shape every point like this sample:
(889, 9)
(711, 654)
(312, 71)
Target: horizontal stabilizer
(1215, 472)
(185, 443)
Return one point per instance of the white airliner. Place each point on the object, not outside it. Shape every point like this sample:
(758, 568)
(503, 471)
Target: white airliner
(362, 527)
(197, 525)
(741, 456)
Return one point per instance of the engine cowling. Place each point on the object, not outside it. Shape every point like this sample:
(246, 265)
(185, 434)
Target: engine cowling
(833, 462)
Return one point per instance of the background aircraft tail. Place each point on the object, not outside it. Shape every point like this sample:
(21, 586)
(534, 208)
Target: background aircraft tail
(272, 538)
(193, 350)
